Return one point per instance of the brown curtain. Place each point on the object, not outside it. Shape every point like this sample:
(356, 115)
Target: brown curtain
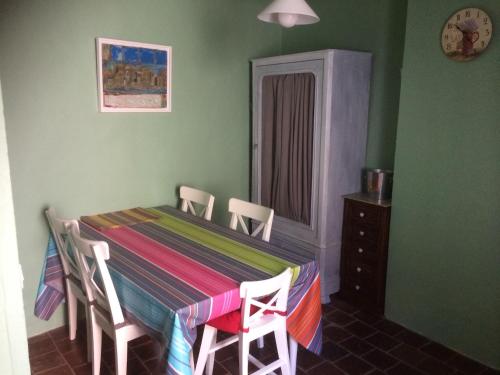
(287, 144)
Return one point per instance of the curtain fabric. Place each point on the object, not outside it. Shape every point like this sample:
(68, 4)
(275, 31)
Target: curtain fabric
(287, 144)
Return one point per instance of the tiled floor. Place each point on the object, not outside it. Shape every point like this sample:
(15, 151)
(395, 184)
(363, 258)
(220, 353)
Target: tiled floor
(355, 343)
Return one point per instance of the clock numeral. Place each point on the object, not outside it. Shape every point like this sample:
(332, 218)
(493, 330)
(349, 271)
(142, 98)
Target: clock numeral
(485, 20)
(458, 17)
(467, 13)
(450, 26)
(478, 14)
(483, 43)
(446, 37)
(487, 31)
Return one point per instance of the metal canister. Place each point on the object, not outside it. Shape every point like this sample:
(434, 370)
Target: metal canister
(377, 183)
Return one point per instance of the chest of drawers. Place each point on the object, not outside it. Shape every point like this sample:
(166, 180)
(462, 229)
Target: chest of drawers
(365, 237)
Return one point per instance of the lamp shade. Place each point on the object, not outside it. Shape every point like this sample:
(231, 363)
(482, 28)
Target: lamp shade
(289, 13)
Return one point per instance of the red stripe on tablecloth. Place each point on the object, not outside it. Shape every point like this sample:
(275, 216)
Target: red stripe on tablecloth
(193, 273)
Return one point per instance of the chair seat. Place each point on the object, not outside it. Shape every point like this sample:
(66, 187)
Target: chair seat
(231, 322)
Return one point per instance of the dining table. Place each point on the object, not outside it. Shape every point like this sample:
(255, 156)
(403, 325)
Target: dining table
(173, 272)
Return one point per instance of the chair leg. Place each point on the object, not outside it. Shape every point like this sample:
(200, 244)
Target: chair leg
(282, 347)
(244, 349)
(260, 342)
(96, 347)
(88, 325)
(293, 355)
(211, 356)
(120, 353)
(209, 334)
(72, 310)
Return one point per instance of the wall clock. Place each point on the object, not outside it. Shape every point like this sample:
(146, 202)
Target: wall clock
(466, 34)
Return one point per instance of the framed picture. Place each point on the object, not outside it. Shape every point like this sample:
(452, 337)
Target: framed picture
(133, 77)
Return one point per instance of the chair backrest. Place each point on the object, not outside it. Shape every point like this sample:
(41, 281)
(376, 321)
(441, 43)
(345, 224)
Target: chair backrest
(189, 195)
(59, 229)
(240, 209)
(252, 292)
(92, 256)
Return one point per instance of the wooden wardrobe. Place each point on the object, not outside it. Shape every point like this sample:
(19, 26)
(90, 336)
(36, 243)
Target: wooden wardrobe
(310, 115)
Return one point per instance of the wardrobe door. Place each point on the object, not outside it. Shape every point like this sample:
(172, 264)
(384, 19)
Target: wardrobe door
(287, 145)
(287, 129)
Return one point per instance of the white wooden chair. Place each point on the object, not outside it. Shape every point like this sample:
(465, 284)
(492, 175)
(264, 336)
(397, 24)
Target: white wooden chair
(239, 209)
(72, 276)
(105, 311)
(258, 316)
(190, 195)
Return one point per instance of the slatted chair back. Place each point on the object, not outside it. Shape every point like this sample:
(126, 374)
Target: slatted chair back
(191, 196)
(240, 209)
(264, 297)
(92, 256)
(59, 229)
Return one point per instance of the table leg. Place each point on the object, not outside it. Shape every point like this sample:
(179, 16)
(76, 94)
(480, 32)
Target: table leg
(293, 355)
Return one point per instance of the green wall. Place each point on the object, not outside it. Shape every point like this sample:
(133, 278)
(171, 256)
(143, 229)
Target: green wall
(63, 152)
(366, 25)
(444, 267)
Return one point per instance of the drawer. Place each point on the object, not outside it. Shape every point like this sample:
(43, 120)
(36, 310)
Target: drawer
(362, 232)
(361, 252)
(360, 290)
(356, 270)
(363, 213)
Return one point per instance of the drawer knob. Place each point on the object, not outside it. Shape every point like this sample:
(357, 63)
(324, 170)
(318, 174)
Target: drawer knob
(359, 269)
(361, 214)
(357, 287)
(361, 233)
(360, 250)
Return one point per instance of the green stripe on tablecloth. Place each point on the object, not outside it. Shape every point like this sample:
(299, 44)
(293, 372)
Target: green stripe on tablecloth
(256, 258)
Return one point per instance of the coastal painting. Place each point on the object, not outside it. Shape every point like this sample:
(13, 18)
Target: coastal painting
(134, 77)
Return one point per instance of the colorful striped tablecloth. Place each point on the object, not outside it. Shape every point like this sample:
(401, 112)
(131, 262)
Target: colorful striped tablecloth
(179, 271)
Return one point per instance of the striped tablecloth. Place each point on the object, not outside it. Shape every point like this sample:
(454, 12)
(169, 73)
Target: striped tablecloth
(179, 271)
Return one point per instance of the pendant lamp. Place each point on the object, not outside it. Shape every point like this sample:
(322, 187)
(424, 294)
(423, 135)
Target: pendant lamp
(289, 13)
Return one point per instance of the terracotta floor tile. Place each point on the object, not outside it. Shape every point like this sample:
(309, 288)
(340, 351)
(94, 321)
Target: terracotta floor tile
(466, 365)
(325, 368)
(491, 371)
(34, 339)
(148, 350)
(335, 333)
(41, 345)
(342, 305)
(356, 345)
(408, 354)
(432, 366)
(60, 333)
(402, 369)
(353, 365)
(332, 351)
(380, 359)
(388, 327)
(76, 357)
(367, 317)
(46, 361)
(411, 338)
(340, 318)
(61, 370)
(65, 345)
(438, 351)
(360, 329)
(307, 360)
(382, 341)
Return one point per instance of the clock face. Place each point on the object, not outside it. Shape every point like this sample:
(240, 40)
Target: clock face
(466, 34)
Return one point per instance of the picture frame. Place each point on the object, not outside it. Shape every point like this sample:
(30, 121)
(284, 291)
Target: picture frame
(133, 76)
